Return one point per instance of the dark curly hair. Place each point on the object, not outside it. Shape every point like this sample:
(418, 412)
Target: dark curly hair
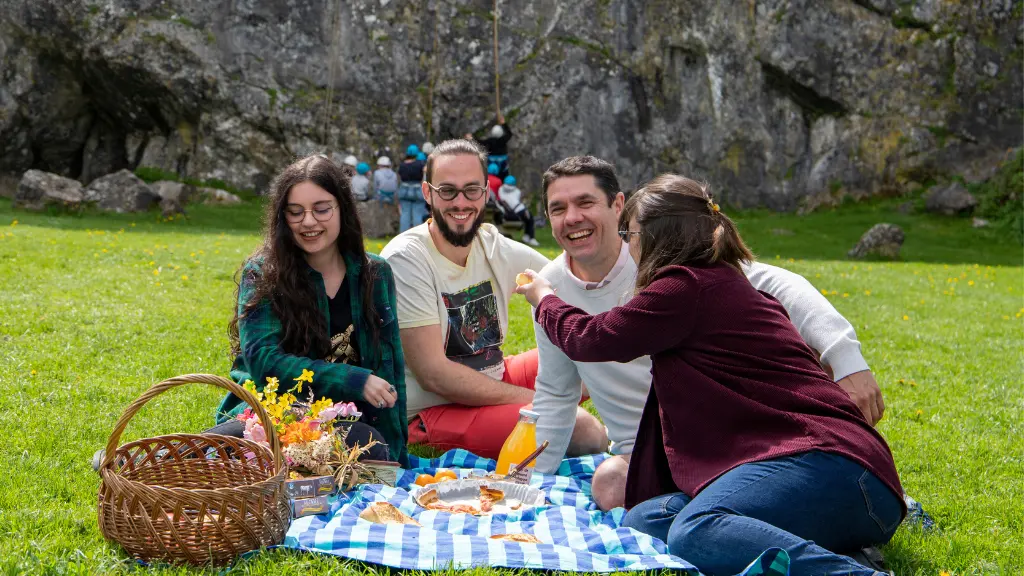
(282, 278)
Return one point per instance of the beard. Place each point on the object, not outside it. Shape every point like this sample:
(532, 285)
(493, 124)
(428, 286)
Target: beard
(462, 239)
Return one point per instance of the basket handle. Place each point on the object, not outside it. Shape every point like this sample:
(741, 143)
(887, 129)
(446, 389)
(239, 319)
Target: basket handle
(211, 379)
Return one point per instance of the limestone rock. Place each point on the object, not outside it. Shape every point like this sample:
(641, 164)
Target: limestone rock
(769, 101)
(121, 191)
(177, 191)
(883, 240)
(217, 197)
(378, 220)
(950, 200)
(39, 189)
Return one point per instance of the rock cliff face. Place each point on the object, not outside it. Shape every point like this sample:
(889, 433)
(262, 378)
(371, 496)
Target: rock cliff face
(770, 100)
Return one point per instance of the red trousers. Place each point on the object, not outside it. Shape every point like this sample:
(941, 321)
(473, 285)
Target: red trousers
(480, 429)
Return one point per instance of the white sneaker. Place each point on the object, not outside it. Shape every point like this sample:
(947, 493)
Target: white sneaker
(531, 241)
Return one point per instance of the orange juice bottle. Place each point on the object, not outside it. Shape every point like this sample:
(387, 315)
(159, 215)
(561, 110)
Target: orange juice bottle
(520, 443)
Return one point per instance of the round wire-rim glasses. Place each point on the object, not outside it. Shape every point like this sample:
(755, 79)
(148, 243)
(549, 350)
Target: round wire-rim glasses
(322, 212)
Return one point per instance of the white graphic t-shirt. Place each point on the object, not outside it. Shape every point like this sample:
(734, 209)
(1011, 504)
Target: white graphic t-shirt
(468, 303)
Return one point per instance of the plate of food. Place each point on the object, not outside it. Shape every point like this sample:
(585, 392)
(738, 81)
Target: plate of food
(479, 497)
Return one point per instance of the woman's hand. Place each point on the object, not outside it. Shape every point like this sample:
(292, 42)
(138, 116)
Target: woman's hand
(379, 393)
(533, 287)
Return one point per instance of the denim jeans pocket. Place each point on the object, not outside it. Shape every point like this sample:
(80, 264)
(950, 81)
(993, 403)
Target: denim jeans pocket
(882, 505)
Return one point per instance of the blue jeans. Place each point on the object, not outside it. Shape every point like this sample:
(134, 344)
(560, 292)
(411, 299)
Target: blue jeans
(813, 505)
(413, 213)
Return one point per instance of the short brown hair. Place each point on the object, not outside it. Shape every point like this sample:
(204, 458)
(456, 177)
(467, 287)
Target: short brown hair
(680, 225)
(455, 147)
(603, 173)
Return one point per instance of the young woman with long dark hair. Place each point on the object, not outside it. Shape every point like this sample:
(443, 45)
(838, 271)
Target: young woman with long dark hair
(312, 298)
(745, 443)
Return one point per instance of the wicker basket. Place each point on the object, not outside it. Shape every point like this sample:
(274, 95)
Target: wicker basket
(202, 499)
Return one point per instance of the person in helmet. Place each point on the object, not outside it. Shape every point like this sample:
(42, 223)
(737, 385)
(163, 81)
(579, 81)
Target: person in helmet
(385, 181)
(510, 201)
(361, 182)
(351, 160)
(427, 148)
(496, 144)
(412, 206)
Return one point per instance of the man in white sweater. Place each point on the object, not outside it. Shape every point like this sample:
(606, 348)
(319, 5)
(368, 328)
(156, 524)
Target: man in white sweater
(596, 273)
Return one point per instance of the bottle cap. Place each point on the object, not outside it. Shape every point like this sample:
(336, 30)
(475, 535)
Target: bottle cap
(529, 413)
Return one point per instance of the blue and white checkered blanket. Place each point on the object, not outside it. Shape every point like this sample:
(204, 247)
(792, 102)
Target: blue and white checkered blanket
(580, 537)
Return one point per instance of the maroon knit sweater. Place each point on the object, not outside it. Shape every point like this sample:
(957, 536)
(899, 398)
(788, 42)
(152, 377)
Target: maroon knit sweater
(733, 381)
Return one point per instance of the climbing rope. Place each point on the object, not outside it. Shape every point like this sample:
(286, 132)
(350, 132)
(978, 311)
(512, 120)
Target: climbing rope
(497, 76)
(332, 68)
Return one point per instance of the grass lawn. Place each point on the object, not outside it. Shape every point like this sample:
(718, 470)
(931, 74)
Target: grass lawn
(94, 309)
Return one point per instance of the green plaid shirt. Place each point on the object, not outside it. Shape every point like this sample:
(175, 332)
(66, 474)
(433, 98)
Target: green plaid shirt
(261, 354)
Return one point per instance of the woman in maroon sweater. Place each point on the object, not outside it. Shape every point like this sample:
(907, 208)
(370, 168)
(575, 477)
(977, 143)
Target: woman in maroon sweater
(745, 443)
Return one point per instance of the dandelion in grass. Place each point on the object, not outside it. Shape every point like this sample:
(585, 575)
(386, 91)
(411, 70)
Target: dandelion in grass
(156, 272)
(970, 282)
(867, 292)
(846, 294)
(919, 413)
(185, 278)
(32, 372)
(824, 292)
(905, 317)
(14, 223)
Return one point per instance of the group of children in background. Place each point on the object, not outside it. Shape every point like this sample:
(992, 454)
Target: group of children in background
(402, 187)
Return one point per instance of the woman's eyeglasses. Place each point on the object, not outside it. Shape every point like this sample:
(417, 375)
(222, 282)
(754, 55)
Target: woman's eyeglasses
(626, 235)
(322, 212)
(447, 192)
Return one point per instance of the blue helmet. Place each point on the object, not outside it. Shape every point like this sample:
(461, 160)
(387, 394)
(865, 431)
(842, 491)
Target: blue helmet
(363, 168)
(421, 157)
(510, 180)
(492, 169)
(412, 150)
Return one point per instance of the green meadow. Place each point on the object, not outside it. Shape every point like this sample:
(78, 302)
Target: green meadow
(96, 308)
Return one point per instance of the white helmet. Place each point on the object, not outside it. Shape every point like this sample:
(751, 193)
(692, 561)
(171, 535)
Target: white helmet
(383, 161)
(427, 148)
(351, 160)
(497, 131)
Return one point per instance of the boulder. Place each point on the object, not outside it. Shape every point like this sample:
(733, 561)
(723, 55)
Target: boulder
(217, 197)
(950, 200)
(378, 220)
(883, 240)
(176, 191)
(39, 189)
(170, 207)
(121, 191)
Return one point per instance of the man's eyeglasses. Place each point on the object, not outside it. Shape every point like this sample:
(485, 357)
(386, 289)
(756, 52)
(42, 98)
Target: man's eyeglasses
(448, 192)
(626, 235)
(322, 212)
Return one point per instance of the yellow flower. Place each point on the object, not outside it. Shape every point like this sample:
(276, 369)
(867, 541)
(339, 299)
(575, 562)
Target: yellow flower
(307, 376)
(318, 406)
(970, 282)
(945, 573)
(275, 411)
(14, 223)
(156, 272)
(905, 317)
(846, 294)
(867, 292)
(33, 372)
(824, 292)
(272, 384)
(184, 277)
(919, 413)
(133, 224)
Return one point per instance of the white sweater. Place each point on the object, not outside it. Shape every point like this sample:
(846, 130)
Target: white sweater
(619, 390)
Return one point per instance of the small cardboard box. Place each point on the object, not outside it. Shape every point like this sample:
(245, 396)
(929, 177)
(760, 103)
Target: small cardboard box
(310, 487)
(384, 472)
(309, 506)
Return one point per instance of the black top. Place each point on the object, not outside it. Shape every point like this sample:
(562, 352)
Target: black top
(498, 146)
(344, 346)
(411, 171)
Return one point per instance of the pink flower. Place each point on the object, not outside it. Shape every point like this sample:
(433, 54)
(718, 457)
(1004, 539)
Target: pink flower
(343, 409)
(254, 431)
(245, 415)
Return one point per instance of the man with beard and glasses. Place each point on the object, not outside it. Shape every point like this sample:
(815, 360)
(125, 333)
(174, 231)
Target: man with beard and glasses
(454, 278)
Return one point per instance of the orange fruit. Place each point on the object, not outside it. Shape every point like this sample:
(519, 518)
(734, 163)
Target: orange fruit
(522, 279)
(424, 479)
(445, 475)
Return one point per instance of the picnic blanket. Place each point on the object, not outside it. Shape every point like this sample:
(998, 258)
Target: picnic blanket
(577, 535)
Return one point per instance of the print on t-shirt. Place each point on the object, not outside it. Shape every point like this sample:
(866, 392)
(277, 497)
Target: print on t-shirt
(474, 333)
